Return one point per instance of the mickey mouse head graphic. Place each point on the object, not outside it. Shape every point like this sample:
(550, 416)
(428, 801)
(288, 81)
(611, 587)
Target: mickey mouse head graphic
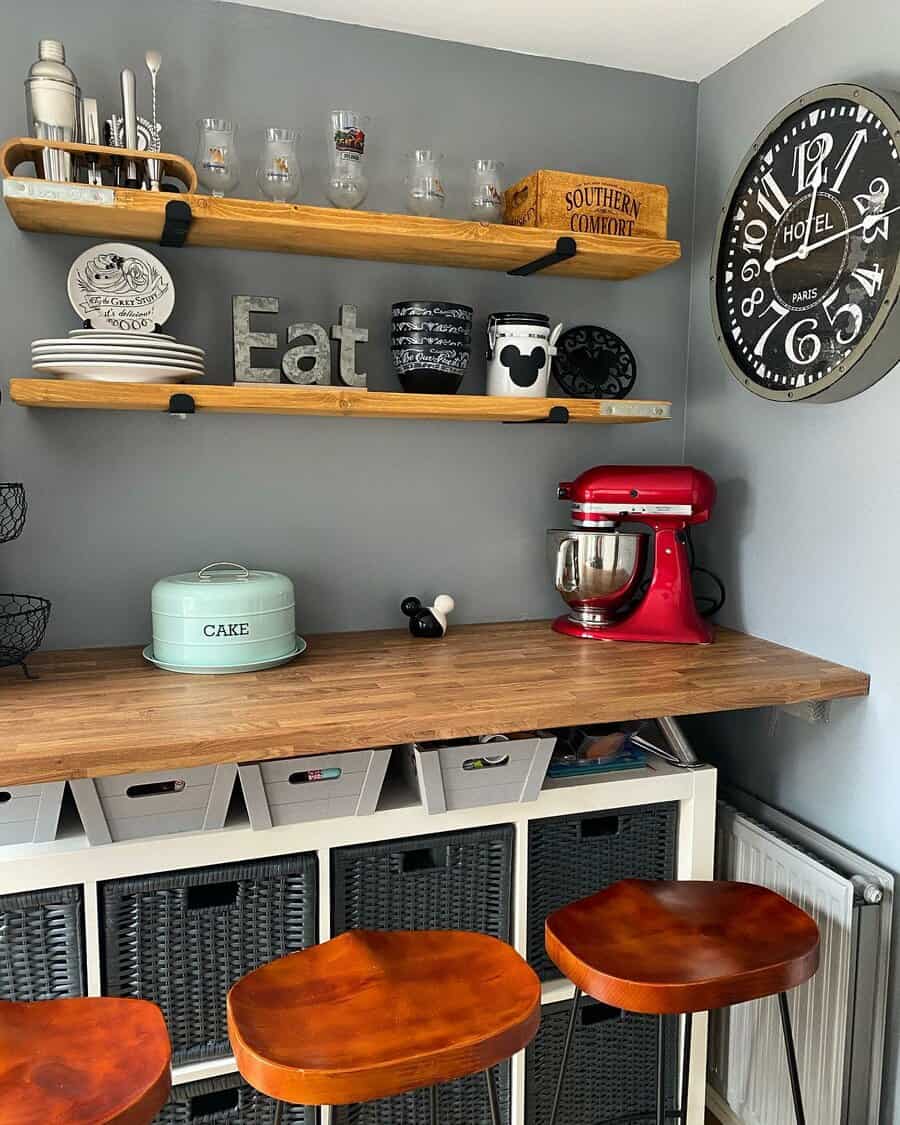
(523, 369)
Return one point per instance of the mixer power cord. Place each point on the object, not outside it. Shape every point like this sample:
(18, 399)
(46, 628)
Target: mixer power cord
(707, 604)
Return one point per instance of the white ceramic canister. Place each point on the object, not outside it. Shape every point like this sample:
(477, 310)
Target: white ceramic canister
(520, 348)
(223, 616)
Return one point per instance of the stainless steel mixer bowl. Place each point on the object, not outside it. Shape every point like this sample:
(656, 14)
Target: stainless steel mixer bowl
(597, 572)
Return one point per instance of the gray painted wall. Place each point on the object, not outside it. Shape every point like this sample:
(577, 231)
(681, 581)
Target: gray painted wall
(358, 513)
(805, 531)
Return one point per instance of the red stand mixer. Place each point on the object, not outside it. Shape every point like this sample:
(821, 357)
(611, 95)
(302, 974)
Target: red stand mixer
(599, 568)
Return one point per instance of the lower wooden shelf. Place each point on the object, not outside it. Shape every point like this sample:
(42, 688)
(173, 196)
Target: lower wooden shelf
(336, 402)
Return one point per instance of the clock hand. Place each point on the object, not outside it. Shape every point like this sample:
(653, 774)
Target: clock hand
(816, 184)
(868, 222)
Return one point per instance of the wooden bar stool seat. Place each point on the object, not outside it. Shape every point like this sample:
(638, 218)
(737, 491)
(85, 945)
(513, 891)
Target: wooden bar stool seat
(673, 947)
(682, 947)
(371, 1014)
(93, 1061)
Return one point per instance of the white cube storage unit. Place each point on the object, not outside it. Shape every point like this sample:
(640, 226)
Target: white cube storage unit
(472, 774)
(160, 917)
(292, 790)
(29, 814)
(131, 806)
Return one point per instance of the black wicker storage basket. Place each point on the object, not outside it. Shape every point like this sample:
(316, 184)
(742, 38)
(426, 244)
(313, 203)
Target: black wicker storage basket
(611, 1074)
(574, 856)
(42, 945)
(183, 938)
(227, 1100)
(462, 1102)
(450, 881)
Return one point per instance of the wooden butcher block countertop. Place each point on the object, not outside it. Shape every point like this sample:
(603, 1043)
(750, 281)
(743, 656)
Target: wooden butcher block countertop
(95, 712)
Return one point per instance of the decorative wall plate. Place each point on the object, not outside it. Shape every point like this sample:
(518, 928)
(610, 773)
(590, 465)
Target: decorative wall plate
(592, 362)
(122, 287)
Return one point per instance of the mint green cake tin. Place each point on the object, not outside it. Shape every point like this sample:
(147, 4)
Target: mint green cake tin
(223, 617)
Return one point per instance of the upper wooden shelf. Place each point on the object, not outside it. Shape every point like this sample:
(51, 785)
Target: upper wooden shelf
(250, 224)
(335, 402)
(95, 712)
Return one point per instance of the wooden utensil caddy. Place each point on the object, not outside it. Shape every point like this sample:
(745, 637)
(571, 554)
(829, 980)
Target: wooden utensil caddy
(22, 150)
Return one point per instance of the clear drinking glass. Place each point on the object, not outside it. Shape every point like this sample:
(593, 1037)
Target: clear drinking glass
(218, 169)
(425, 191)
(278, 172)
(347, 184)
(486, 191)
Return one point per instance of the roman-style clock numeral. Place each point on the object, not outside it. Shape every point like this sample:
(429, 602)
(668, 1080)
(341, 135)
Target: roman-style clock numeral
(843, 165)
(770, 198)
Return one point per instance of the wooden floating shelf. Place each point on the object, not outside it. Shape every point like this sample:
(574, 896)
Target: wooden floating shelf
(335, 402)
(250, 224)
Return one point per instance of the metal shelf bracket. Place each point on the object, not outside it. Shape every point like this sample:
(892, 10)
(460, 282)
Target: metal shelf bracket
(181, 405)
(559, 415)
(566, 248)
(177, 223)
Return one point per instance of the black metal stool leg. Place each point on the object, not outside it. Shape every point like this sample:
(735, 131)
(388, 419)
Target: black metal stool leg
(661, 1070)
(279, 1109)
(686, 1063)
(492, 1097)
(791, 1058)
(433, 1102)
(570, 1033)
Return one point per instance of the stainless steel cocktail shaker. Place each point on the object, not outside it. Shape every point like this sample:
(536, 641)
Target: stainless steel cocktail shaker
(53, 105)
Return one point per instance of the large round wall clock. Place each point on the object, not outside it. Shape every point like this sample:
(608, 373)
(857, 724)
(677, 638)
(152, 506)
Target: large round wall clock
(804, 275)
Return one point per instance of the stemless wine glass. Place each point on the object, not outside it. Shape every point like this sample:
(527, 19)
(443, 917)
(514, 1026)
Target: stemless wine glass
(485, 191)
(347, 184)
(425, 191)
(278, 172)
(218, 169)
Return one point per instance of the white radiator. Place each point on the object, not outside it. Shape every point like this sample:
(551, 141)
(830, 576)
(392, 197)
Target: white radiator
(838, 1016)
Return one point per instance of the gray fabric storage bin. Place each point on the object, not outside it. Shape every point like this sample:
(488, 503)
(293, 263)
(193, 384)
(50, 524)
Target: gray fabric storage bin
(570, 857)
(130, 806)
(29, 814)
(42, 945)
(444, 783)
(461, 1102)
(281, 792)
(611, 1074)
(183, 938)
(447, 881)
(227, 1100)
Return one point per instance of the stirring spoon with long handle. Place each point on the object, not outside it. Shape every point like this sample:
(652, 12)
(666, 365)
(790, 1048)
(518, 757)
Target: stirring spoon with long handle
(153, 59)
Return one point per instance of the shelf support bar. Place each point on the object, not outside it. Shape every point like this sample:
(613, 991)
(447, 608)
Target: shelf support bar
(559, 415)
(565, 248)
(177, 223)
(181, 405)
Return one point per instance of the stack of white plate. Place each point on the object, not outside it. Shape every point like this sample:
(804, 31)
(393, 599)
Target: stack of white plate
(117, 357)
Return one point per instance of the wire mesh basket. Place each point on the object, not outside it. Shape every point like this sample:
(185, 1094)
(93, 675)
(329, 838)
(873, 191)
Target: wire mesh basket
(13, 509)
(23, 622)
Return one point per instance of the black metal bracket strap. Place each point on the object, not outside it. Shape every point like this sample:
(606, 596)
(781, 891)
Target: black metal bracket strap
(177, 223)
(559, 415)
(566, 248)
(181, 404)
